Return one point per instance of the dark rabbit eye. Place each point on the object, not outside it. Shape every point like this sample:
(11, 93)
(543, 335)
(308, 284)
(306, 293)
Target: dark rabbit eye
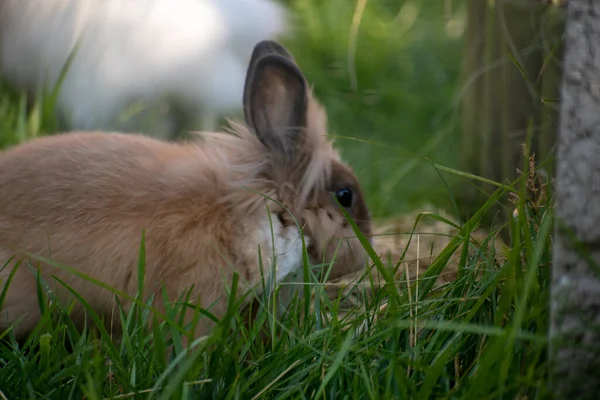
(344, 197)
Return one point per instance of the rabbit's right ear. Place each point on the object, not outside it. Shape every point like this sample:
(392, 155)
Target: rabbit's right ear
(276, 100)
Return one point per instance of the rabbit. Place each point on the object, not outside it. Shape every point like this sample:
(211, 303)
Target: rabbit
(82, 199)
(174, 60)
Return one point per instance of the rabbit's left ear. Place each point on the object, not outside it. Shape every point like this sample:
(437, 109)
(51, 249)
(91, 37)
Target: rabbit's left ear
(261, 49)
(275, 100)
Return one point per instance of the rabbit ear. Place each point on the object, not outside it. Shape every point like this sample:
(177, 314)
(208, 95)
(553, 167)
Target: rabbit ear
(262, 49)
(276, 102)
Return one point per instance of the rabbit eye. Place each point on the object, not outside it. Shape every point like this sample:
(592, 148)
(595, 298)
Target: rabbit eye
(344, 196)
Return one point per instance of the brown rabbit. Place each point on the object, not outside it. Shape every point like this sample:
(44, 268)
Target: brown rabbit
(83, 200)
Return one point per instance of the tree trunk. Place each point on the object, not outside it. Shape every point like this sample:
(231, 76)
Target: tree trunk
(499, 103)
(575, 305)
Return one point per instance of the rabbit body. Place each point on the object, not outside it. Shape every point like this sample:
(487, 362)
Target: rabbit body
(188, 55)
(83, 199)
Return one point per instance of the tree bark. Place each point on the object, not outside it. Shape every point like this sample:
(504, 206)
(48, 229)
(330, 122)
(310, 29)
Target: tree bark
(575, 304)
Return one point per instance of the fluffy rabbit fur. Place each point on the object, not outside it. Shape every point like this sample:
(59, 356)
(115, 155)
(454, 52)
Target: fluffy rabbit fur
(83, 199)
(188, 54)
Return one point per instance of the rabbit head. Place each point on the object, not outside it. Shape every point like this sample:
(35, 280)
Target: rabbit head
(299, 167)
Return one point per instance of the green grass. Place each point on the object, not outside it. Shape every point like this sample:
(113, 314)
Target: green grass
(481, 336)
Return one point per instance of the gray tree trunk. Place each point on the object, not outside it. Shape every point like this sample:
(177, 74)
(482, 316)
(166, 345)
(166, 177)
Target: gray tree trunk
(575, 306)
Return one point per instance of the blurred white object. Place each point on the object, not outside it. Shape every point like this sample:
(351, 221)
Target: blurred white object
(192, 53)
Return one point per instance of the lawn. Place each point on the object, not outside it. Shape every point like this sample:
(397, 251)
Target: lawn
(392, 93)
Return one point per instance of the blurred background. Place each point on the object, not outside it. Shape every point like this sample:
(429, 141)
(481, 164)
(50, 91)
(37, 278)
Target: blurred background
(419, 93)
